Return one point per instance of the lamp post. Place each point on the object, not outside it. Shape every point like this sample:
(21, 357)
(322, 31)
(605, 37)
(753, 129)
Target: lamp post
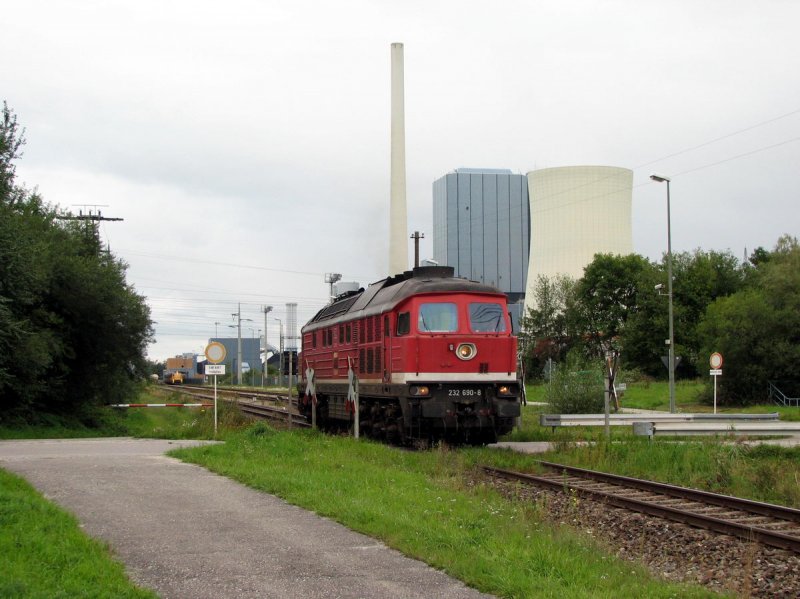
(238, 316)
(280, 348)
(234, 363)
(252, 342)
(266, 310)
(259, 352)
(671, 358)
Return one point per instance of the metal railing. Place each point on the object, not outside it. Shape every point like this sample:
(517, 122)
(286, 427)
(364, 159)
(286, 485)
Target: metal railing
(780, 398)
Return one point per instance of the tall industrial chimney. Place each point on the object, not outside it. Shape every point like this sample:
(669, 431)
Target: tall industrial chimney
(398, 249)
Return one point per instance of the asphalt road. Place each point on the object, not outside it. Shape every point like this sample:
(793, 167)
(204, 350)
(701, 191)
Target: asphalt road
(188, 533)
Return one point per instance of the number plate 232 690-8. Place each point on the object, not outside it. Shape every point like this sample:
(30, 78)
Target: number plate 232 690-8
(463, 393)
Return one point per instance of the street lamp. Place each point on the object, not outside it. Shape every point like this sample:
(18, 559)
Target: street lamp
(266, 310)
(252, 341)
(235, 359)
(671, 366)
(280, 348)
(259, 355)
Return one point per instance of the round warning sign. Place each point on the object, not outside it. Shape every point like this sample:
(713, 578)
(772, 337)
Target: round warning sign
(215, 352)
(715, 361)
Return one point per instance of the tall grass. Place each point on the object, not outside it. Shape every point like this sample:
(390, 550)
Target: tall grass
(764, 472)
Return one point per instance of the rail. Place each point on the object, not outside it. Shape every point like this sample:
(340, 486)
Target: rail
(246, 402)
(769, 524)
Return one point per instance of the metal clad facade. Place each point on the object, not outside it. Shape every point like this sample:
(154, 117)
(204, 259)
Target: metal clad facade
(451, 223)
(490, 254)
(464, 265)
(503, 234)
(483, 232)
(515, 234)
(476, 227)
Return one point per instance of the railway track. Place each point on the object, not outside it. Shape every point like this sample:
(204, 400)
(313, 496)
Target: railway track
(262, 395)
(769, 524)
(248, 402)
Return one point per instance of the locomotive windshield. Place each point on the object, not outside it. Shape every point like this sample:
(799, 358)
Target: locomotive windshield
(486, 318)
(437, 318)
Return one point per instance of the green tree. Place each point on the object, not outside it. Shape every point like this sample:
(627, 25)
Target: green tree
(545, 333)
(72, 331)
(11, 142)
(607, 296)
(757, 329)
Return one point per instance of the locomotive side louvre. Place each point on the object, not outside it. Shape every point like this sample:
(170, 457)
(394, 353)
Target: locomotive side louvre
(434, 356)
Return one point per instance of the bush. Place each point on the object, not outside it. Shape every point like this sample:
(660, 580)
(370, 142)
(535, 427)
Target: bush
(576, 387)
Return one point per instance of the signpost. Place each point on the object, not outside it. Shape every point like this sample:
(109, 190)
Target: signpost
(715, 361)
(215, 353)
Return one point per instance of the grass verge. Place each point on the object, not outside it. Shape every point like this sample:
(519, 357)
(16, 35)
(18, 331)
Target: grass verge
(45, 554)
(761, 472)
(430, 506)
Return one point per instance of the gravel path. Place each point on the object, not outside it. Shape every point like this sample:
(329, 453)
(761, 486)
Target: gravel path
(672, 550)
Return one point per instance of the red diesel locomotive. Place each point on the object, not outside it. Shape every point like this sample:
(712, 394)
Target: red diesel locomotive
(433, 354)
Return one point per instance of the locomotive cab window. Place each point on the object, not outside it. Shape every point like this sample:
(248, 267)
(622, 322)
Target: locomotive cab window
(486, 318)
(437, 318)
(403, 323)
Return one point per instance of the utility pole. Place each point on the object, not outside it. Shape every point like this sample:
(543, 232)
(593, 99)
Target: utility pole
(266, 310)
(90, 218)
(238, 316)
(416, 237)
(280, 350)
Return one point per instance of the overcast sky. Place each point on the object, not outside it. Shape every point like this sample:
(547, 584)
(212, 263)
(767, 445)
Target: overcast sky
(246, 144)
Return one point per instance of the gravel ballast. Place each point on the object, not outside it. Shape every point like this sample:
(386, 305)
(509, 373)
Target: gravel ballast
(670, 550)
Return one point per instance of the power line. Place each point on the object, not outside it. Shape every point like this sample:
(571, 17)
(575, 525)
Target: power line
(691, 170)
(716, 139)
(229, 264)
(678, 153)
(781, 143)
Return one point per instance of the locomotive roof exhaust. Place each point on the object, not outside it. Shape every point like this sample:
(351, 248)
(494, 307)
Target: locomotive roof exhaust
(398, 217)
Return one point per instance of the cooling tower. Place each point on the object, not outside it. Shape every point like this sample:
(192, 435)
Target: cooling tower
(291, 326)
(577, 212)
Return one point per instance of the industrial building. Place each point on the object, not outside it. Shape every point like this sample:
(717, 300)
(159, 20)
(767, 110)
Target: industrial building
(507, 229)
(251, 352)
(481, 227)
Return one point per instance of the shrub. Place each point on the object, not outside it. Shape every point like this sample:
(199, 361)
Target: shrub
(576, 388)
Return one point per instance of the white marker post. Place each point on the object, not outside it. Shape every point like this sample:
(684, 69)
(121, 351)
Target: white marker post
(715, 361)
(311, 391)
(215, 353)
(352, 396)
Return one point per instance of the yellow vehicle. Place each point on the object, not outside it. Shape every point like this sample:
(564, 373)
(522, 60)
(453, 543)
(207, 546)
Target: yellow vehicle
(174, 378)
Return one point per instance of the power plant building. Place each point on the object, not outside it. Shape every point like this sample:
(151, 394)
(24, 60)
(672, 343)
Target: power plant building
(577, 212)
(481, 227)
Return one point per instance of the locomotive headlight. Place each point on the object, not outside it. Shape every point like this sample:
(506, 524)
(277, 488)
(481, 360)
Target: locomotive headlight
(420, 391)
(466, 351)
(506, 390)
